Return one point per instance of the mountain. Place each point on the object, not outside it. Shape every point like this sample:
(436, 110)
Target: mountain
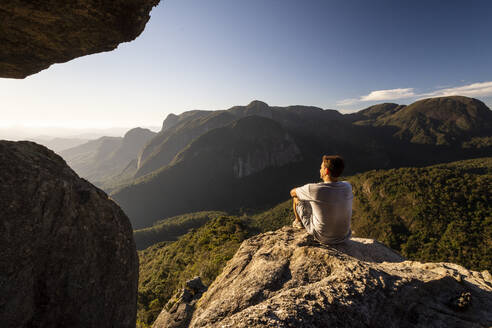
(450, 121)
(163, 148)
(103, 158)
(158, 185)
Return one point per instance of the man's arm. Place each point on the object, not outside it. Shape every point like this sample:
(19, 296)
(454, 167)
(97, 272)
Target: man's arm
(301, 193)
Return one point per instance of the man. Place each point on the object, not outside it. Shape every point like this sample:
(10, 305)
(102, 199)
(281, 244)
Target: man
(324, 209)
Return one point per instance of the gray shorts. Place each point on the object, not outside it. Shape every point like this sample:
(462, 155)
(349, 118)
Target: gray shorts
(305, 212)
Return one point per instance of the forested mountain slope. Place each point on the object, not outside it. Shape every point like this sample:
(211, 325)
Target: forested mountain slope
(453, 120)
(172, 228)
(436, 213)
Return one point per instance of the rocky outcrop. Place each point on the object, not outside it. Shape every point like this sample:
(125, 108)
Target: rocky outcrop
(286, 279)
(67, 254)
(36, 34)
(170, 121)
(178, 311)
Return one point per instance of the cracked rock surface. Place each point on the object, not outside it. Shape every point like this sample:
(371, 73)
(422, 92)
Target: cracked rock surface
(286, 279)
(67, 254)
(178, 311)
(38, 33)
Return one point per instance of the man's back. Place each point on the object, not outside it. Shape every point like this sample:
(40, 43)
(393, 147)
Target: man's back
(331, 204)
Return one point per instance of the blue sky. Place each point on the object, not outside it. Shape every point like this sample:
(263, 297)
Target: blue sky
(215, 54)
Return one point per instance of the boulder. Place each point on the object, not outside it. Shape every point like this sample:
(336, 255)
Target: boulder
(286, 279)
(36, 34)
(67, 254)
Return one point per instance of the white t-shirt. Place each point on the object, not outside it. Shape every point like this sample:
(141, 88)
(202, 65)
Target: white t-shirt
(332, 210)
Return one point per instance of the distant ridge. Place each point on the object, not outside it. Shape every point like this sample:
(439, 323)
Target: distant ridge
(447, 121)
(107, 156)
(372, 113)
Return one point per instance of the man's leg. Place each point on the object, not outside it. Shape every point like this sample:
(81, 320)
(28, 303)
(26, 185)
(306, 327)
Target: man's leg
(297, 222)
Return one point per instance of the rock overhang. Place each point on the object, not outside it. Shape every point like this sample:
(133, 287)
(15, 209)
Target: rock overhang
(36, 34)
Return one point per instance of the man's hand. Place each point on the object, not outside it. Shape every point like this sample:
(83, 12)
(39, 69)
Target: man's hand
(293, 193)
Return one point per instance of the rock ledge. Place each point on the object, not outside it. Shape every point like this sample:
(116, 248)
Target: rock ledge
(286, 279)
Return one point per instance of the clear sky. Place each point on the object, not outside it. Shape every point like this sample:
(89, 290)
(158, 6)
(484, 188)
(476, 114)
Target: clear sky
(215, 54)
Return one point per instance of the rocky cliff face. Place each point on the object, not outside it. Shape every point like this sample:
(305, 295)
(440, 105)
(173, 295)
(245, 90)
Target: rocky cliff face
(36, 34)
(286, 279)
(280, 152)
(67, 254)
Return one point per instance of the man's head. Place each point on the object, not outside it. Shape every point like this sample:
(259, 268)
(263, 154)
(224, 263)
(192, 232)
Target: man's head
(331, 166)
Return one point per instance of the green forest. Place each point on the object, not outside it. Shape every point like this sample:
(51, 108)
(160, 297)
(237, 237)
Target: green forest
(435, 213)
(171, 229)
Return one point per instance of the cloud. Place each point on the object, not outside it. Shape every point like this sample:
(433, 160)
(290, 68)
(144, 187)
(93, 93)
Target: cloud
(378, 95)
(388, 94)
(479, 89)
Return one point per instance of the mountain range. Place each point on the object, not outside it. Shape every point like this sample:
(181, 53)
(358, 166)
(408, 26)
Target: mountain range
(248, 157)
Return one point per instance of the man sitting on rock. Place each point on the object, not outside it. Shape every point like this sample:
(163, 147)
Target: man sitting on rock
(324, 209)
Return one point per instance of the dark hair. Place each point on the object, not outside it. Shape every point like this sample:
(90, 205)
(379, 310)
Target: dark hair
(334, 164)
